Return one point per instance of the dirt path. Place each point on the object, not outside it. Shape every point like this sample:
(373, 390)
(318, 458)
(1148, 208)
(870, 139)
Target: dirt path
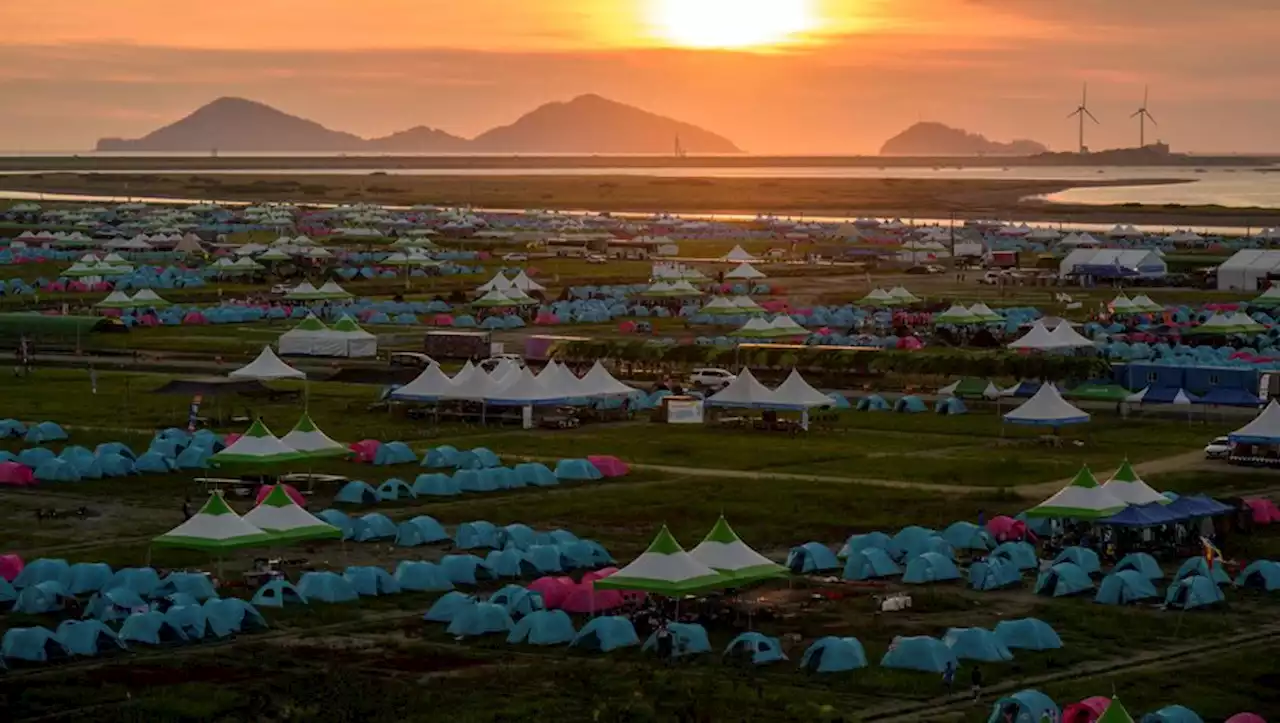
(1177, 463)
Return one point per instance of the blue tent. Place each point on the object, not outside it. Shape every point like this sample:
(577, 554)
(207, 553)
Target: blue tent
(873, 403)
(277, 592)
(142, 580)
(536, 474)
(328, 587)
(1172, 714)
(1192, 592)
(908, 537)
(510, 562)
(992, 574)
(150, 628)
(1124, 587)
(33, 457)
(1141, 563)
(197, 585)
(470, 480)
(12, 428)
(375, 526)
(869, 564)
(87, 577)
(486, 457)
(436, 485)
(1027, 634)
(519, 535)
(394, 489)
(57, 470)
(440, 457)
(421, 530)
(950, 406)
(910, 404)
(370, 580)
(604, 634)
(930, 567)
(1022, 555)
(465, 569)
(190, 619)
(115, 465)
(584, 554)
(7, 592)
(88, 637)
(44, 597)
(517, 601)
(857, 543)
(968, 536)
(1197, 566)
(1260, 574)
(34, 645)
(114, 604)
(45, 432)
(478, 534)
(480, 619)
(834, 655)
(1028, 706)
(340, 520)
(1063, 579)
(932, 543)
(357, 493)
(193, 457)
(422, 577)
(232, 615)
(812, 557)
(759, 649)
(153, 463)
(686, 639)
(921, 653)
(1081, 557)
(447, 607)
(577, 470)
(394, 453)
(976, 644)
(499, 478)
(543, 627)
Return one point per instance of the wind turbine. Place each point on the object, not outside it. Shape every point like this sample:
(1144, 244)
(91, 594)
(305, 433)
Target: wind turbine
(1081, 112)
(1143, 115)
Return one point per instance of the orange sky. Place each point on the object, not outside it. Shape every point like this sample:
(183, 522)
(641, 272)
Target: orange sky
(74, 70)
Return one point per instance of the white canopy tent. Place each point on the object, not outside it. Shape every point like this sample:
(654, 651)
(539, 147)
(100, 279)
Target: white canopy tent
(1047, 408)
(266, 367)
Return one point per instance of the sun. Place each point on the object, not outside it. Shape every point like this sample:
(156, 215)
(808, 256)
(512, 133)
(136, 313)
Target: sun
(731, 24)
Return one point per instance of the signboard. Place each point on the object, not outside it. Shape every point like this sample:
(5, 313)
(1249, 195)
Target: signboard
(683, 411)
(497, 348)
(526, 417)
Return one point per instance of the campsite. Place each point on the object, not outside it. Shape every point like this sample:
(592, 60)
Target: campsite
(393, 462)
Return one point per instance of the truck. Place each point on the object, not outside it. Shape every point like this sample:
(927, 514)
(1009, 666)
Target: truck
(457, 344)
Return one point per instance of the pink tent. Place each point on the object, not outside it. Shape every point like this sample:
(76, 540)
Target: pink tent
(10, 566)
(585, 598)
(553, 590)
(231, 438)
(1246, 718)
(148, 320)
(1086, 711)
(546, 318)
(1005, 528)
(443, 320)
(77, 286)
(294, 494)
(13, 474)
(910, 343)
(627, 327)
(609, 466)
(1264, 510)
(194, 317)
(59, 286)
(599, 574)
(366, 450)
(101, 286)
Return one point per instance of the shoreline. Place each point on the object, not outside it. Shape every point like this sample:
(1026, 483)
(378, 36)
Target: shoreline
(1007, 200)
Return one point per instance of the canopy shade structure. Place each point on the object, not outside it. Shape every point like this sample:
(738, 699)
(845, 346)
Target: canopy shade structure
(797, 393)
(1083, 499)
(1065, 336)
(526, 284)
(1126, 486)
(266, 367)
(878, 297)
(982, 312)
(745, 271)
(306, 437)
(430, 385)
(115, 300)
(259, 446)
(957, 314)
(331, 290)
(903, 296)
(665, 569)
(493, 299)
(1264, 429)
(1047, 408)
(283, 519)
(216, 527)
(745, 391)
(738, 254)
(598, 382)
(497, 283)
(304, 292)
(147, 297)
(722, 550)
(1037, 338)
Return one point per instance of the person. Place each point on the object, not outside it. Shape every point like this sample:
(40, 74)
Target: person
(976, 678)
(949, 675)
(664, 642)
(186, 509)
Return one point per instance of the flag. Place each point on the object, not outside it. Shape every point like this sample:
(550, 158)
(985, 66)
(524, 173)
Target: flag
(1211, 553)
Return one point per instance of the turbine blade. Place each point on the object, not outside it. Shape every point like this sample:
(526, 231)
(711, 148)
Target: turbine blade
(1145, 90)
(1074, 113)
(1086, 112)
(1084, 95)
(1152, 119)
(1136, 113)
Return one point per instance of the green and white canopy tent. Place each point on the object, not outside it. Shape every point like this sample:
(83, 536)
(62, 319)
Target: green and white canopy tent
(957, 314)
(1083, 499)
(259, 446)
(903, 296)
(1126, 486)
(280, 516)
(1115, 713)
(665, 569)
(878, 297)
(306, 437)
(215, 528)
(723, 551)
(982, 312)
(115, 300)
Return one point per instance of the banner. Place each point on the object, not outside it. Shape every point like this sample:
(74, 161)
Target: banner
(683, 411)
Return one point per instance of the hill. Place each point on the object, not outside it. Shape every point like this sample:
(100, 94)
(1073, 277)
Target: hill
(592, 124)
(936, 139)
(588, 124)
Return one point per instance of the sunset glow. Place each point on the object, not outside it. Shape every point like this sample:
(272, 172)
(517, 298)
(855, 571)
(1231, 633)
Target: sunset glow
(732, 24)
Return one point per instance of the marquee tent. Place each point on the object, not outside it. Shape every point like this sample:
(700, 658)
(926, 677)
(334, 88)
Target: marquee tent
(216, 527)
(307, 437)
(723, 551)
(1047, 408)
(665, 569)
(259, 446)
(428, 386)
(1083, 499)
(1126, 486)
(1264, 429)
(265, 367)
(284, 520)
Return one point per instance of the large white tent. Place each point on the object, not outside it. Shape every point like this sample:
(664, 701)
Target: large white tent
(1264, 429)
(267, 366)
(744, 271)
(1047, 408)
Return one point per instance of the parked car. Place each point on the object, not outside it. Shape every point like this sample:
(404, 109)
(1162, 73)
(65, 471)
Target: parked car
(492, 362)
(281, 289)
(597, 259)
(713, 379)
(1219, 448)
(414, 359)
(516, 257)
(926, 269)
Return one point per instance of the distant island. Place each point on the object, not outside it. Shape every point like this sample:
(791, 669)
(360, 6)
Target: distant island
(936, 139)
(588, 124)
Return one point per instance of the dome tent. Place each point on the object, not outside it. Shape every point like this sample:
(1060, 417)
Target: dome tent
(1026, 706)
(1141, 563)
(422, 577)
(976, 644)
(447, 607)
(686, 639)
(759, 649)
(869, 564)
(1063, 579)
(606, 633)
(930, 567)
(1027, 634)
(922, 653)
(834, 655)
(1194, 591)
(480, 619)
(1124, 587)
(811, 557)
(543, 627)
(327, 587)
(276, 593)
(357, 493)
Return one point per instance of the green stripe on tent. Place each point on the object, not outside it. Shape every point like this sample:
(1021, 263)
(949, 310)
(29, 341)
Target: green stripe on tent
(722, 532)
(215, 506)
(1085, 478)
(665, 543)
(1126, 473)
(667, 588)
(202, 543)
(317, 532)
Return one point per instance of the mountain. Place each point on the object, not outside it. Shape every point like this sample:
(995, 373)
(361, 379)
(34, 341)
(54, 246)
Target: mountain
(587, 124)
(236, 124)
(591, 124)
(936, 139)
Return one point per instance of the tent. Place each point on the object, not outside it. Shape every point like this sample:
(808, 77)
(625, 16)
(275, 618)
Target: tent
(1046, 408)
(1063, 579)
(480, 619)
(1090, 710)
(37, 571)
(88, 577)
(35, 645)
(371, 580)
(964, 535)
(1081, 557)
(87, 637)
(328, 587)
(606, 633)
(1126, 486)
(45, 597)
(869, 564)
(1260, 574)
(421, 530)
(1019, 554)
(577, 470)
(723, 551)
(267, 366)
(831, 654)
(151, 628)
(310, 337)
(686, 639)
(374, 526)
(394, 453)
(518, 601)
(665, 569)
(922, 653)
(306, 437)
(811, 557)
(357, 492)
(1141, 563)
(1192, 592)
(543, 627)
(280, 516)
(755, 647)
(1198, 566)
(141, 580)
(276, 593)
(930, 567)
(1172, 714)
(215, 528)
(992, 574)
(1083, 499)
(447, 607)
(1125, 587)
(858, 543)
(1026, 706)
(1027, 634)
(422, 577)
(259, 446)
(1264, 429)
(976, 644)
(394, 489)
(465, 569)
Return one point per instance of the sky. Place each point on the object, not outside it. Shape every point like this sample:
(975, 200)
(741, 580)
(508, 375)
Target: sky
(813, 77)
